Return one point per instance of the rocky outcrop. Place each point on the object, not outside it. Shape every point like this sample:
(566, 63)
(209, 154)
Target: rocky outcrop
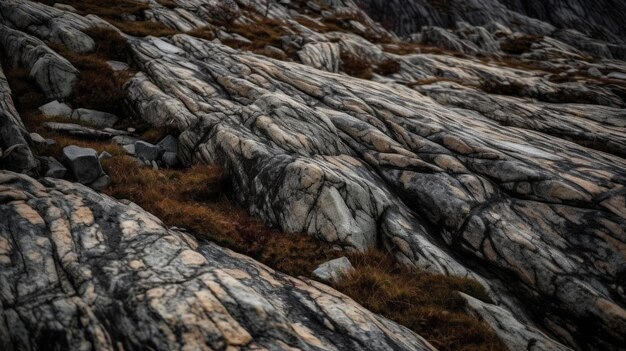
(80, 270)
(15, 152)
(600, 19)
(508, 169)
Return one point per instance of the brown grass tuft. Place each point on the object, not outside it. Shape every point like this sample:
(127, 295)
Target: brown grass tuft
(519, 45)
(356, 66)
(388, 67)
(426, 303)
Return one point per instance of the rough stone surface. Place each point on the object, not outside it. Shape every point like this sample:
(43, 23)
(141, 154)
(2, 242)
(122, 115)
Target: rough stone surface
(55, 109)
(515, 335)
(94, 118)
(333, 270)
(93, 273)
(502, 161)
(148, 152)
(52, 167)
(83, 162)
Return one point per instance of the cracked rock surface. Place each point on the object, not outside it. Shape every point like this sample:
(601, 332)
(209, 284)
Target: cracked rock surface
(80, 270)
(508, 170)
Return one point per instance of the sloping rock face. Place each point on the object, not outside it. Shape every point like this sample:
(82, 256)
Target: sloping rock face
(510, 171)
(80, 270)
(603, 19)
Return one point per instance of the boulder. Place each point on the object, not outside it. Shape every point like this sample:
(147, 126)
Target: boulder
(169, 144)
(170, 159)
(102, 182)
(147, 152)
(55, 109)
(83, 162)
(334, 270)
(94, 118)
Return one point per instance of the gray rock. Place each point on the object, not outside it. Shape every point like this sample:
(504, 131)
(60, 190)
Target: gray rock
(55, 109)
(170, 159)
(94, 118)
(37, 139)
(594, 72)
(65, 7)
(333, 270)
(514, 334)
(101, 183)
(129, 148)
(118, 66)
(83, 162)
(53, 168)
(169, 144)
(124, 139)
(617, 75)
(147, 152)
(104, 156)
(78, 130)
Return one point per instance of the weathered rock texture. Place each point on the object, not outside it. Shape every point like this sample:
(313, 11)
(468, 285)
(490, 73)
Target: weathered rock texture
(603, 20)
(79, 270)
(508, 169)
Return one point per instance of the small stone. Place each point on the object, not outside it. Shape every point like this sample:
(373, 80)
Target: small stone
(170, 159)
(83, 162)
(131, 130)
(124, 140)
(118, 66)
(64, 7)
(104, 155)
(147, 152)
(55, 109)
(594, 72)
(37, 139)
(50, 142)
(101, 183)
(94, 118)
(155, 166)
(130, 149)
(334, 270)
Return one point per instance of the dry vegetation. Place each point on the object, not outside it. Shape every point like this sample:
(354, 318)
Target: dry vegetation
(355, 65)
(519, 45)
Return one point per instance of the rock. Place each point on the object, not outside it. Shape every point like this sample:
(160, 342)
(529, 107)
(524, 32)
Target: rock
(94, 118)
(53, 168)
(104, 155)
(169, 144)
(154, 165)
(129, 148)
(170, 159)
(101, 183)
(118, 66)
(53, 74)
(78, 130)
(324, 56)
(65, 7)
(617, 75)
(160, 282)
(55, 109)
(147, 152)
(594, 72)
(83, 162)
(124, 140)
(515, 335)
(37, 139)
(334, 270)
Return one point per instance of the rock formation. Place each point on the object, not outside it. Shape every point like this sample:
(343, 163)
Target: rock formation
(507, 168)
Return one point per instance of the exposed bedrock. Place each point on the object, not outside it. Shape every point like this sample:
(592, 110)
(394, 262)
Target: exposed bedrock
(458, 165)
(603, 20)
(83, 271)
(358, 163)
